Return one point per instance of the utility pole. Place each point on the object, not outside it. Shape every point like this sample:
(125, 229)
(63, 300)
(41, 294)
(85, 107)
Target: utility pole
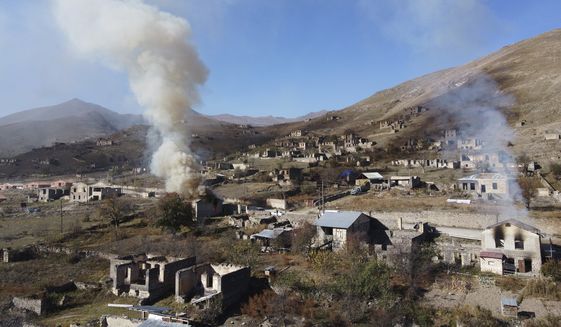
(61, 216)
(322, 197)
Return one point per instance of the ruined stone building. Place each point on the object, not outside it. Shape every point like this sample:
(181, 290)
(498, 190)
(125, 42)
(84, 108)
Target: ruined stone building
(407, 182)
(336, 228)
(275, 238)
(205, 283)
(210, 206)
(82, 192)
(146, 277)
(487, 185)
(497, 160)
(395, 246)
(47, 194)
(470, 144)
(511, 246)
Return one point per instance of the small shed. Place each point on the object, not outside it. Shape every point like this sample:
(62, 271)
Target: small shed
(509, 307)
(370, 177)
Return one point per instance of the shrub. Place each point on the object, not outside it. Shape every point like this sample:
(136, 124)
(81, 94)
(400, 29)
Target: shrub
(552, 269)
(174, 211)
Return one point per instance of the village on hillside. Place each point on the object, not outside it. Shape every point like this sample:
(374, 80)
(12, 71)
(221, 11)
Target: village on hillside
(280, 163)
(444, 225)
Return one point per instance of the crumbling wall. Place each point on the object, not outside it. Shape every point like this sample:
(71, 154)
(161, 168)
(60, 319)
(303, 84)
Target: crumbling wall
(186, 280)
(234, 286)
(34, 305)
(170, 269)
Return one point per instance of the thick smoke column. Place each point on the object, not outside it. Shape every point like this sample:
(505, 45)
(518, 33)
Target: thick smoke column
(163, 67)
(476, 104)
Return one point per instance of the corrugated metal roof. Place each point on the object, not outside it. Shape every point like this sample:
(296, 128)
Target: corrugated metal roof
(269, 233)
(341, 219)
(492, 176)
(373, 175)
(509, 301)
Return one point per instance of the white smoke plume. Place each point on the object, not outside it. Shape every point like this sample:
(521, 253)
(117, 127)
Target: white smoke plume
(163, 68)
(476, 105)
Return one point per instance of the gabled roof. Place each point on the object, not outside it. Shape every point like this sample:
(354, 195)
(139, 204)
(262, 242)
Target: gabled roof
(373, 175)
(516, 223)
(270, 233)
(339, 219)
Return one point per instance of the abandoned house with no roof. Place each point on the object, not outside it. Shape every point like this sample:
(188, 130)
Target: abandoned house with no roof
(205, 283)
(146, 277)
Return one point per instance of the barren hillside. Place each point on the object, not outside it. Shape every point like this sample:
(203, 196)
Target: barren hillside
(529, 71)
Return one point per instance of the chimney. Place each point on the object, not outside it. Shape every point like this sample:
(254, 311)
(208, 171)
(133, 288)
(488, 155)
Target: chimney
(421, 227)
(399, 223)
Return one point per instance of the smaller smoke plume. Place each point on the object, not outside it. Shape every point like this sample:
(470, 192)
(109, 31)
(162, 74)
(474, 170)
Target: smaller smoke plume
(476, 105)
(163, 67)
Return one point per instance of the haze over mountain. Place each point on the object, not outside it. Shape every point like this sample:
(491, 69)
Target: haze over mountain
(264, 120)
(69, 121)
(529, 71)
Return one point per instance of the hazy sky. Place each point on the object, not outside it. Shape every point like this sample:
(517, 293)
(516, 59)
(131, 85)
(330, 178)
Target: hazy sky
(279, 57)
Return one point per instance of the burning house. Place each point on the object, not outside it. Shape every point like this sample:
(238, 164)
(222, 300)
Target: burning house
(510, 247)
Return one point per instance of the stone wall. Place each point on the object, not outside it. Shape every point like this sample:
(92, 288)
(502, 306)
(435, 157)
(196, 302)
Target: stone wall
(34, 305)
(460, 219)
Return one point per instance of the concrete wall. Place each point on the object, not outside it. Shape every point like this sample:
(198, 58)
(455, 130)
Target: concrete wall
(277, 203)
(33, 305)
(491, 265)
(461, 219)
(187, 279)
(234, 286)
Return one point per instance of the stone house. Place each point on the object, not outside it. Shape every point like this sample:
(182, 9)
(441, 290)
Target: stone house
(509, 247)
(104, 142)
(336, 228)
(209, 206)
(205, 283)
(287, 175)
(470, 144)
(486, 184)
(395, 246)
(146, 277)
(552, 136)
(296, 133)
(405, 181)
(82, 192)
(369, 178)
(100, 191)
(61, 184)
(277, 237)
(79, 192)
(47, 194)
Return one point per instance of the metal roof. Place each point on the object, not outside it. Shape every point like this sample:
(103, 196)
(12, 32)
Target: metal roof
(509, 301)
(373, 175)
(269, 233)
(492, 176)
(340, 219)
